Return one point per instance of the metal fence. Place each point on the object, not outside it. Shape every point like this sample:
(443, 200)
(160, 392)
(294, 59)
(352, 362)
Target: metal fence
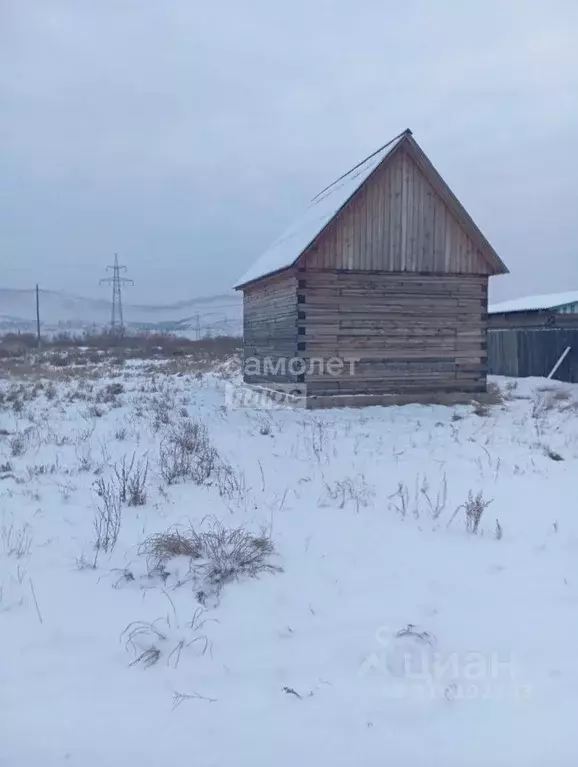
(533, 352)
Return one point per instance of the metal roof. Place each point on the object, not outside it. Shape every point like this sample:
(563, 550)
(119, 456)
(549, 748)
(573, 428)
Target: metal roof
(320, 211)
(323, 208)
(535, 303)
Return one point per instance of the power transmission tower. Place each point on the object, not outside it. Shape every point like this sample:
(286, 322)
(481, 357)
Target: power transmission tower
(116, 318)
(37, 316)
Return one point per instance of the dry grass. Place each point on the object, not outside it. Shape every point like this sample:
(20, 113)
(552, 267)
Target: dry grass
(220, 554)
(350, 490)
(131, 480)
(66, 357)
(148, 641)
(16, 540)
(550, 398)
(187, 453)
(161, 547)
(107, 516)
(474, 508)
(420, 501)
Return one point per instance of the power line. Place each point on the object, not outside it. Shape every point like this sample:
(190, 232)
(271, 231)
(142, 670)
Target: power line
(116, 318)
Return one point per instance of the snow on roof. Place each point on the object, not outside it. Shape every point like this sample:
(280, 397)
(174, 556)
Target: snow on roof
(321, 210)
(535, 303)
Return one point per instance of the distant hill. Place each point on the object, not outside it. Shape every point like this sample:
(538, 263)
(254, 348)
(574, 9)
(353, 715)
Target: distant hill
(60, 312)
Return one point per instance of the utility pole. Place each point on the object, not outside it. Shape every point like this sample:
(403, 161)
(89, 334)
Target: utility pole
(37, 316)
(116, 318)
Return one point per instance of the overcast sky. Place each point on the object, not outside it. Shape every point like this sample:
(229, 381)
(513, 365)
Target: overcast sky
(185, 134)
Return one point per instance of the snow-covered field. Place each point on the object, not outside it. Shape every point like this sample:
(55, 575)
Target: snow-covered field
(378, 631)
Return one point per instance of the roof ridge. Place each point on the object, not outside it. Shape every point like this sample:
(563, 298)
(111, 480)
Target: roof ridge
(406, 132)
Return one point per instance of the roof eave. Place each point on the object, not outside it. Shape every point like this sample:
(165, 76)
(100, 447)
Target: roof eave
(401, 139)
(247, 283)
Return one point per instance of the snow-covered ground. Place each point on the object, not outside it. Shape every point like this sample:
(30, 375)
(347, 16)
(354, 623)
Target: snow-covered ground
(380, 631)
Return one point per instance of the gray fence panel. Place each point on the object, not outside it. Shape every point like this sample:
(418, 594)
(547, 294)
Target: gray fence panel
(533, 352)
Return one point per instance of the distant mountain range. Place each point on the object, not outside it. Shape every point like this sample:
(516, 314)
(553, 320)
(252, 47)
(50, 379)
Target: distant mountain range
(63, 312)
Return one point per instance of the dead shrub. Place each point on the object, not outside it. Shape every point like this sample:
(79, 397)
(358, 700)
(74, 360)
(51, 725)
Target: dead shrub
(220, 554)
(161, 412)
(232, 553)
(114, 389)
(474, 509)
(109, 394)
(136, 488)
(18, 406)
(107, 516)
(191, 436)
(174, 463)
(187, 453)
(59, 360)
(231, 483)
(17, 445)
(131, 481)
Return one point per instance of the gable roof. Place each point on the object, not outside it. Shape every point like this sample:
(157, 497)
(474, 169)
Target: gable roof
(535, 303)
(326, 205)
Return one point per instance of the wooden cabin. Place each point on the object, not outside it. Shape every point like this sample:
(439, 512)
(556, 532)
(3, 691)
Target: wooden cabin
(379, 288)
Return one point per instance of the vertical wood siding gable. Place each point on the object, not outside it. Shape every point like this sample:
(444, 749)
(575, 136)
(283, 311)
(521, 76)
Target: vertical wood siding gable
(397, 222)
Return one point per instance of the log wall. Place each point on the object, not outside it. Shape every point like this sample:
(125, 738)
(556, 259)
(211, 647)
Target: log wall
(409, 332)
(270, 328)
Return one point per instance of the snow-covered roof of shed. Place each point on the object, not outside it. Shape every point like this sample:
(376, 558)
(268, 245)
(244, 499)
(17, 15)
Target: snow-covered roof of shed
(321, 210)
(535, 303)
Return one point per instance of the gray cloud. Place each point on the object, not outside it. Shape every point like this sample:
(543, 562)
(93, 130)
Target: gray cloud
(185, 136)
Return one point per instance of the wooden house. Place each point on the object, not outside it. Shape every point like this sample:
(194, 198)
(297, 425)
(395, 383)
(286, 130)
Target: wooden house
(379, 288)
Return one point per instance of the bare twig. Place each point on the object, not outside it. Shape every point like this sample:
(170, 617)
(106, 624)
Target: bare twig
(179, 697)
(35, 601)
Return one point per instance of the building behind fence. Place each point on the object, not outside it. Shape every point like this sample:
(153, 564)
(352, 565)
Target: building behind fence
(528, 336)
